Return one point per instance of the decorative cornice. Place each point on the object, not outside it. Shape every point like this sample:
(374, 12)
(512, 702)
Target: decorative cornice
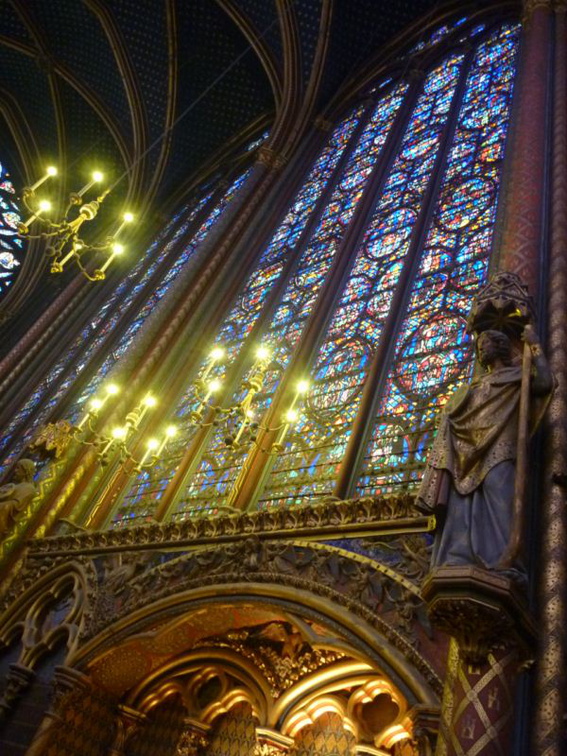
(327, 520)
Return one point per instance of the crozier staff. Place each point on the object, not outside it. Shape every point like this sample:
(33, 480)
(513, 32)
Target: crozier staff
(470, 474)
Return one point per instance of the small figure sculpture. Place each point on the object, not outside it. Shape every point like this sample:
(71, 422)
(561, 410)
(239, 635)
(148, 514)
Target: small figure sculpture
(469, 481)
(16, 496)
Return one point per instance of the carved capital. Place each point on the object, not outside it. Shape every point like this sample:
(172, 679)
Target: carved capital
(425, 728)
(194, 738)
(52, 440)
(272, 742)
(18, 679)
(323, 124)
(270, 158)
(480, 609)
(65, 681)
(127, 722)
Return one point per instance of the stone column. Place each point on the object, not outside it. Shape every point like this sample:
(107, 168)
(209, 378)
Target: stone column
(551, 692)
(523, 191)
(127, 722)
(18, 680)
(66, 680)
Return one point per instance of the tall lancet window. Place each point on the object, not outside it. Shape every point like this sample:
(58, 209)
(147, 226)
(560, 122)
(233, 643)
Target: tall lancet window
(364, 290)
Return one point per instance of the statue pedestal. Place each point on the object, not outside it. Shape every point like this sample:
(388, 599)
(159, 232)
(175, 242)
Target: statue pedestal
(482, 610)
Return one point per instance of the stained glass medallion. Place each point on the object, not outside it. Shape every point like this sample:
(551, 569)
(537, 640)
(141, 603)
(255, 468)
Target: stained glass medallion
(11, 246)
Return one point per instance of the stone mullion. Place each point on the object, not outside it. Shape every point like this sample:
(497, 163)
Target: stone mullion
(169, 336)
(194, 453)
(181, 364)
(381, 361)
(549, 737)
(258, 465)
(519, 232)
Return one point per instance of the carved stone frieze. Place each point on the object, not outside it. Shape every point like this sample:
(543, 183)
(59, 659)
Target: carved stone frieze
(332, 516)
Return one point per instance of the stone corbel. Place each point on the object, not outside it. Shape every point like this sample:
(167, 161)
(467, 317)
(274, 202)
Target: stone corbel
(481, 609)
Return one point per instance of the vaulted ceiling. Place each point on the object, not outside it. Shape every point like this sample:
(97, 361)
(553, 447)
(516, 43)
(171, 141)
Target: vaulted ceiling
(155, 89)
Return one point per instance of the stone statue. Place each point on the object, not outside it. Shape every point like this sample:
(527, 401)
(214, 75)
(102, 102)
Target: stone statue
(469, 481)
(16, 496)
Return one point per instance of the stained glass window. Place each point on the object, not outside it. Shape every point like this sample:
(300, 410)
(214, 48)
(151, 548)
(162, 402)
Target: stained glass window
(432, 352)
(11, 246)
(92, 338)
(430, 188)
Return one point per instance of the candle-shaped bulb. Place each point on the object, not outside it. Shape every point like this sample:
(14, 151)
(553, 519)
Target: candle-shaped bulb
(96, 404)
(119, 433)
(217, 354)
(214, 385)
(262, 353)
(302, 387)
(97, 176)
(128, 217)
(117, 249)
(171, 431)
(150, 401)
(44, 206)
(112, 389)
(52, 171)
(291, 416)
(152, 444)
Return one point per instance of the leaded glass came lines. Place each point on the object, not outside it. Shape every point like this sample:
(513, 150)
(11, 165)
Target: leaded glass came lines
(308, 464)
(11, 246)
(433, 353)
(248, 306)
(220, 466)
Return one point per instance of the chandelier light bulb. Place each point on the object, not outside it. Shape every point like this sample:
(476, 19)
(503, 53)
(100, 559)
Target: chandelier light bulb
(150, 401)
(171, 431)
(217, 354)
(302, 387)
(112, 389)
(97, 176)
(52, 171)
(128, 217)
(96, 404)
(119, 433)
(45, 206)
(291, 415)
(214, 385)
(153, 444)
(117, 249)
(262, 353)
